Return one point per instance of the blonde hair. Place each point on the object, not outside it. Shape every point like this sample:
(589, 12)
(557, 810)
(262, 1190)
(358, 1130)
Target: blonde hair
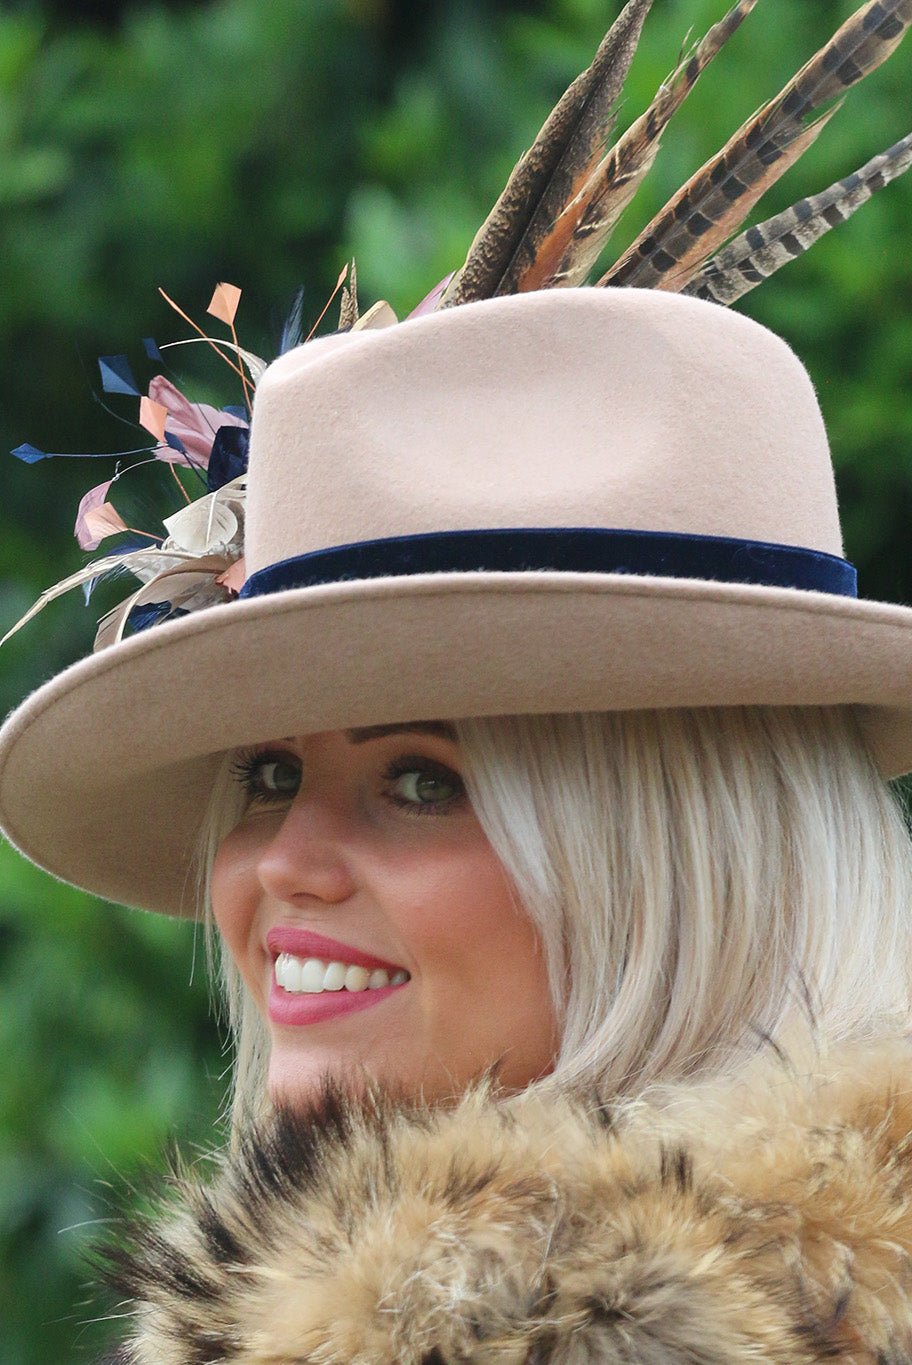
(701, 880)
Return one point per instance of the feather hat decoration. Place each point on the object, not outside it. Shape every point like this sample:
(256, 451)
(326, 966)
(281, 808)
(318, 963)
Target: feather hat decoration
(199, 560)
(196, 559)
(566, 194)
(548, 229)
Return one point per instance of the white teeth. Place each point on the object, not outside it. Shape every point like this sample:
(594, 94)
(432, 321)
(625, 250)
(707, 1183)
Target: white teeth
(312, 976)
(288, 972)
(312, 973)
(356, 979)
(334, 979)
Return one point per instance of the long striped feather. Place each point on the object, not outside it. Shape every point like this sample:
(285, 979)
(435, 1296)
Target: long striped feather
(762, 250)
(555, 168)
(571, 249)
(713, 204)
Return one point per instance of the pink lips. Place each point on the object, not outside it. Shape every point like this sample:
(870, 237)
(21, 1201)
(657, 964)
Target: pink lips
(285, 1008)
(289, 1008)
(304, 943)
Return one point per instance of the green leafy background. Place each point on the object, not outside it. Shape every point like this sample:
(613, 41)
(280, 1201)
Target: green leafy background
(264, 142)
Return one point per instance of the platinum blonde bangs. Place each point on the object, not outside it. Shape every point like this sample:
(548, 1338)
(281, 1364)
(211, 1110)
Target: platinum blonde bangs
(703, 882)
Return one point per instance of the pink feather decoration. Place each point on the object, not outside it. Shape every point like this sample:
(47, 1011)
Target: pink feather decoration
(194, 424)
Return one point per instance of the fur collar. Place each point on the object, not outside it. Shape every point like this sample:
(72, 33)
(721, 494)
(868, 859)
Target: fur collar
(764, 1221)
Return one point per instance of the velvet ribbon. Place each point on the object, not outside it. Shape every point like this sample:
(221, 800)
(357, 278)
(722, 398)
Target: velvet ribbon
(656, 554)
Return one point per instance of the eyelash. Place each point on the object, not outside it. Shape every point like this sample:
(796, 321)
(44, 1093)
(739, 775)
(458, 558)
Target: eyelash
(247, 766)
(245, 772)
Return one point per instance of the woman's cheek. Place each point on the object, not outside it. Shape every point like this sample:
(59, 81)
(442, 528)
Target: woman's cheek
(466, 914)
(233, 891)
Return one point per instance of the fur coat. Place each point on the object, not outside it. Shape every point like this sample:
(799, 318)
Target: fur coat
(764, 1221)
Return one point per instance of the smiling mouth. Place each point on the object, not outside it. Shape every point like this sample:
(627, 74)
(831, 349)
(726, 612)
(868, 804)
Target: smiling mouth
(315, 976)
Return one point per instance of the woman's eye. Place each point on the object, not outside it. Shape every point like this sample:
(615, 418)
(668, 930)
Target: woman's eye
(268, 776)
(425, 786)
(279, 777)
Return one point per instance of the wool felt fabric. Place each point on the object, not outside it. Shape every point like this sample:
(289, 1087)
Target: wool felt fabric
(567, 409)
(764, 1220)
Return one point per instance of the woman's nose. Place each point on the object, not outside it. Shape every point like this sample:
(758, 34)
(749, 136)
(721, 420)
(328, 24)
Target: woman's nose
(307, 858)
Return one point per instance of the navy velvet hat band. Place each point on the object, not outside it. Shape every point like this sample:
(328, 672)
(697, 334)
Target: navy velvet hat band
(657, 554)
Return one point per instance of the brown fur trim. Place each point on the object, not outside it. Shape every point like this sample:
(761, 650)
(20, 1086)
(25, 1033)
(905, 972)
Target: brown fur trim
(764, 1221)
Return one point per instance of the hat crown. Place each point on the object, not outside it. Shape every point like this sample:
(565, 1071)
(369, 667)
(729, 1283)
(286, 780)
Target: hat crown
(620, 408)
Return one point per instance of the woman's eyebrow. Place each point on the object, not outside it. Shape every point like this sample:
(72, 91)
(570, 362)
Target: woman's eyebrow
(441, 728)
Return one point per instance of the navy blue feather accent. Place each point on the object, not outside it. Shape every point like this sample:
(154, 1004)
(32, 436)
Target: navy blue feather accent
(229, 457)
(116, 375)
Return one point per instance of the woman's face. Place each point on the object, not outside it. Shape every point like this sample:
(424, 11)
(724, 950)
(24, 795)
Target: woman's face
(372, 922)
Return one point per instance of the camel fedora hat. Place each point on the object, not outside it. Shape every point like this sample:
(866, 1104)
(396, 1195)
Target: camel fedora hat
(573, 500)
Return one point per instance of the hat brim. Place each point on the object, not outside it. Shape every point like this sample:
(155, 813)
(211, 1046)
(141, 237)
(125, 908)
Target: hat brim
(106, 771)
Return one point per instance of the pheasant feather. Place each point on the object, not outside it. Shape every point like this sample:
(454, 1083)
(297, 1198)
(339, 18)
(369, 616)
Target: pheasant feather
(567, 254)
(553, 171)
(713, 204)
(348, 307)
(762, 250)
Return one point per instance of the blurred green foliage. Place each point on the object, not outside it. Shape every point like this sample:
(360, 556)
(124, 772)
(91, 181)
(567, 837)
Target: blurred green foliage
(265, 143)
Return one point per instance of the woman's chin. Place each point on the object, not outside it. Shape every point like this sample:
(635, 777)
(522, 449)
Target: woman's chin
(298, 1080)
